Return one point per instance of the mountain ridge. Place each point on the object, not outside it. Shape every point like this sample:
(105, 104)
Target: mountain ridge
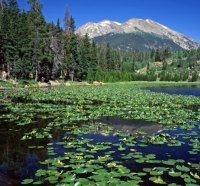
(134, 25)
(139, 41)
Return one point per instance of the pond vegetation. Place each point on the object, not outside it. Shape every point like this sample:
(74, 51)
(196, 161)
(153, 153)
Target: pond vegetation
(73, 136)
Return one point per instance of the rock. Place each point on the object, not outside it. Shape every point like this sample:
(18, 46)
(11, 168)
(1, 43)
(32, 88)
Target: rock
(12, 81)
(102, 83)
(68, 84)
(83, 84)
(26, 86)
(40, 84)
(96, 83)
(54, 83)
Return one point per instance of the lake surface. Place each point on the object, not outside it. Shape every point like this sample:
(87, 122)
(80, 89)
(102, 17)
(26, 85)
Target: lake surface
(131, 126)
(18, 162)
(185, 90)
(135, 145)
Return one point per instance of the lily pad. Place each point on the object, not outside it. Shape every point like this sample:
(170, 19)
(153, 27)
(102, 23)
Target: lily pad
(182, 168)
(157, 180)
(27, 181)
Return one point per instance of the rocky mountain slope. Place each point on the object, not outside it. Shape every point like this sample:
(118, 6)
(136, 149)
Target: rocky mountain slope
(137, 41)
(107, 28)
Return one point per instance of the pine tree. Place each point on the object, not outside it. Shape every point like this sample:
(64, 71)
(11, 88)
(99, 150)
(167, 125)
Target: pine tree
(2, 59)
(148, 67)
(70, 47)
(194, 76)
(164, 56)
(101, 57)
(152, 55)
(84, 58)
(56, 47)
(9, 33)
(99, 74)
(12, 4)
(93, 57)
(37, 25)
(67, 20)
(157, 55)
(23, 66)
(109, 58)
(2, 52)
(71, 55)
(90, 75)
(116, 60)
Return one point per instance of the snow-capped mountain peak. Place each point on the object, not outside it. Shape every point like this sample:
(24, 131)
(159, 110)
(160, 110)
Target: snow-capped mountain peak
(100, 28)
(136, 25)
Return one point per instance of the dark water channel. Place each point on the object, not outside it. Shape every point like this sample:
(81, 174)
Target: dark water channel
(18, 162)
(131, 126)
(149, 129)
(183, 90)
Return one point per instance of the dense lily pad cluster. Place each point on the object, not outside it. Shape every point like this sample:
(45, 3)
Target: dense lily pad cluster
(82, 151)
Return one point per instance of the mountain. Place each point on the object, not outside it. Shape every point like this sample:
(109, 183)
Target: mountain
(136, 41)
(141, 34)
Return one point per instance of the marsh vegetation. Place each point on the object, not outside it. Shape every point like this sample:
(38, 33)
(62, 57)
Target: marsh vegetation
(109, 135)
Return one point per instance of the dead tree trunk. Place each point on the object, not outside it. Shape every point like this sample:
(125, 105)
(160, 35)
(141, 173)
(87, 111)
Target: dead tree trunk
(3, 73)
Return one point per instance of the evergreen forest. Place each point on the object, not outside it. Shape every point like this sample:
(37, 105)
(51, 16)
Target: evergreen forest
(32, 49)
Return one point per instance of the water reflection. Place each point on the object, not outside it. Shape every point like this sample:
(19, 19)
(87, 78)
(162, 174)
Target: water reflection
(17, 161)
(130, 125)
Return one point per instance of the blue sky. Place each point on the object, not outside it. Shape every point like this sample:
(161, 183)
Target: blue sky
(180, 15)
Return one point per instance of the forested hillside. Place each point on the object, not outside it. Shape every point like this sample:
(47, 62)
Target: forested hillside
(137, 41)
(31, 48)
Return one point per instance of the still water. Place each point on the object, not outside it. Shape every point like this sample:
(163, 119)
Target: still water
(186, 90)
(18, 162)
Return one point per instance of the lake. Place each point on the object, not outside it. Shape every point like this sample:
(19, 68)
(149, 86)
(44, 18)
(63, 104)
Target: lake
(186, 90)
(90, 135)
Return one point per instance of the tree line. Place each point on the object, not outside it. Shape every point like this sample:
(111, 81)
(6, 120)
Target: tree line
(31, 48)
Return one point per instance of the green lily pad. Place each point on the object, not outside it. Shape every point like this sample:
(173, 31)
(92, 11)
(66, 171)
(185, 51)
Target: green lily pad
(182, 168)
(27, 181)
(157, 180)
(195, 175)
(84, 181)
(169, 162)
(174, 174)
(156, 173)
